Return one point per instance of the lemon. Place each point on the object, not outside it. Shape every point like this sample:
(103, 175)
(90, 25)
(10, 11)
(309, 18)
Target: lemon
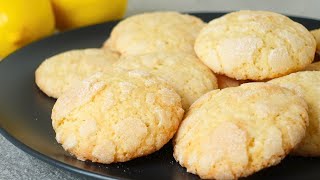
(77, 13)
(23, 21)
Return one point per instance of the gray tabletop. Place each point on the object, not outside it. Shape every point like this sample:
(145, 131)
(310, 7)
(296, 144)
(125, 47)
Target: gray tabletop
(15, 164)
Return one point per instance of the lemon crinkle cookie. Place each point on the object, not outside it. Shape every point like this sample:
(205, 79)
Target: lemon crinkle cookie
(255, 45)
(234, 132)
(115, 117)
(316, 35)
(57, 73)
(155, 31)
(313, 67)
(183, 71)
(307, 85)
(225, 82)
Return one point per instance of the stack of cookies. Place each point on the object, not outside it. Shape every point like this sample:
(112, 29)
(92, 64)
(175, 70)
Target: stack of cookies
(236, 95)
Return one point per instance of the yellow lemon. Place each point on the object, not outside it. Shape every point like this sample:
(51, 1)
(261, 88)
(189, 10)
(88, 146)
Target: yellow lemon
(23, 21)
(77, 13)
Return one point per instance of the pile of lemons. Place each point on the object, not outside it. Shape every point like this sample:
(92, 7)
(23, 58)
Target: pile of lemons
(22, 22)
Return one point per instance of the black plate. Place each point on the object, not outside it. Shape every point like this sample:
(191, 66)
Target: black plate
(25, 116)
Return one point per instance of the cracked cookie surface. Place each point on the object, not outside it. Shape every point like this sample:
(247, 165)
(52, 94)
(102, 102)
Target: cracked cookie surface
(307, 85)
(116, 117)
(183, 71)
(255, 45)
(57, 73)
(156, 31)
(234, 132)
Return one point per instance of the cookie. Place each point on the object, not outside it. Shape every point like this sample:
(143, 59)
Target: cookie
(255, 45)
(155, 31)
(225, 82)
(307, 85)
(316, 35)
(234, 132)
(116, 117)
(56, 74)
(313, 67)
(183, 71)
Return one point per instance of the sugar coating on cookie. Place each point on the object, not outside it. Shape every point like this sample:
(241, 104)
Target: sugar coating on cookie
(307, 85)
(225, 82)
(115, 117)
(313, 67)
(183, 71)
(57, 73)
(255, 45)
(316, 35)
(234, 132)
(155, 31)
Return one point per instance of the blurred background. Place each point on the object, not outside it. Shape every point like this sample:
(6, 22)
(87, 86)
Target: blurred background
(307, 8)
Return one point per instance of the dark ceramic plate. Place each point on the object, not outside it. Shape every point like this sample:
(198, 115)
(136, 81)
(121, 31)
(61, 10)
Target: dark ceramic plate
(25, 116)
